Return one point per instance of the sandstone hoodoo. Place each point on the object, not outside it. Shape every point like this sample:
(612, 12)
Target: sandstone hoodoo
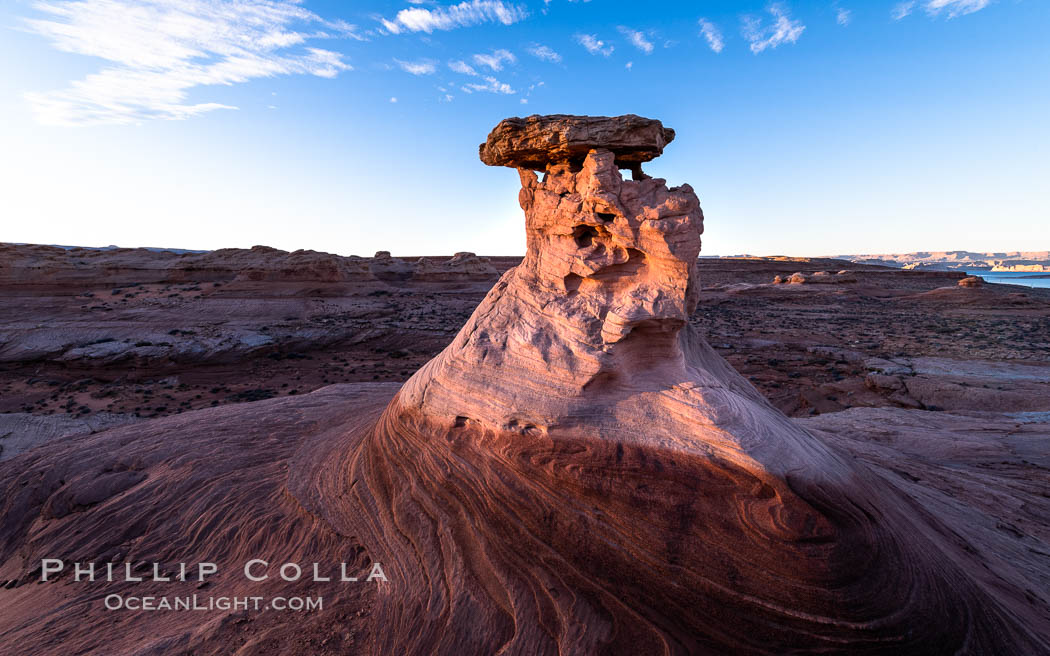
(578, 472)
(590, 477)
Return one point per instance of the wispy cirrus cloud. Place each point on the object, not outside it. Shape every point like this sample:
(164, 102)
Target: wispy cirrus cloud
(636, 39)
(950, 8)
(712, 35)
(464, 14)
(902, 9)
(159, 50)
(419, 67)
(492, 85)
(842, 16)
(545, 53)
(495, 59)
(594, 45)
(460, 66)
(954, 8)
(782, 29)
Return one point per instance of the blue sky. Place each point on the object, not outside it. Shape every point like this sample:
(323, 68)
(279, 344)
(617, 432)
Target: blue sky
(806, 128)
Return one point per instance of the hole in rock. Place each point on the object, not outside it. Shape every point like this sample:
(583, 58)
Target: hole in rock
(635, 261)
(605, 217)
(572, 283)
(522, 428)
(461, 421)
(633, 169)
(604, 381)
(584, 235)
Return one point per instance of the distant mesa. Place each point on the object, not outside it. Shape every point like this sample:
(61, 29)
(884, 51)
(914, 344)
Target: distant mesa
(1002, 261)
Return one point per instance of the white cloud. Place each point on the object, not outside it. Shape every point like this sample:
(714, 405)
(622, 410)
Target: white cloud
(393, 99)
(529, 90)
(712, 35)
(161, 49)
(770, 35)
(902, 9)
(491, 85)
(955, 7)
(637, 39)
(594, 45)
(421, 67)
(544, 53)
(464, 14)
(842, 16)
(629, 65)
(495, 60)
(460, 66)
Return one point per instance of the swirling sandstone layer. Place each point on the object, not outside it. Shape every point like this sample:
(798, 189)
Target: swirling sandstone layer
(578, 472)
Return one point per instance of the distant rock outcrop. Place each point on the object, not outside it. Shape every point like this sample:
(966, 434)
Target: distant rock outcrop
(462, 266)
(817, 277)
(1034, 261)
(53, 265)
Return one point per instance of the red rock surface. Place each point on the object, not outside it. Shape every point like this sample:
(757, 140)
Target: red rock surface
(268, 479)
(577, 472)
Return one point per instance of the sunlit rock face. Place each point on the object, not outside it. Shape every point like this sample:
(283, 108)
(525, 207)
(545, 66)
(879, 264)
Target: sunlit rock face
(607, 258)
(578, 472)
(612, 254)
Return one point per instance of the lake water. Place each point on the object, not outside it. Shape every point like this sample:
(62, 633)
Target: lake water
(1014, 278)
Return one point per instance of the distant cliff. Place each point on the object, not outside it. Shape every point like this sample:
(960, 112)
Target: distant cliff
(1033, 261)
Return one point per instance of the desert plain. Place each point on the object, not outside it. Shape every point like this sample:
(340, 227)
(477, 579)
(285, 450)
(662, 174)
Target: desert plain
(608, 446)
(92, 338)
